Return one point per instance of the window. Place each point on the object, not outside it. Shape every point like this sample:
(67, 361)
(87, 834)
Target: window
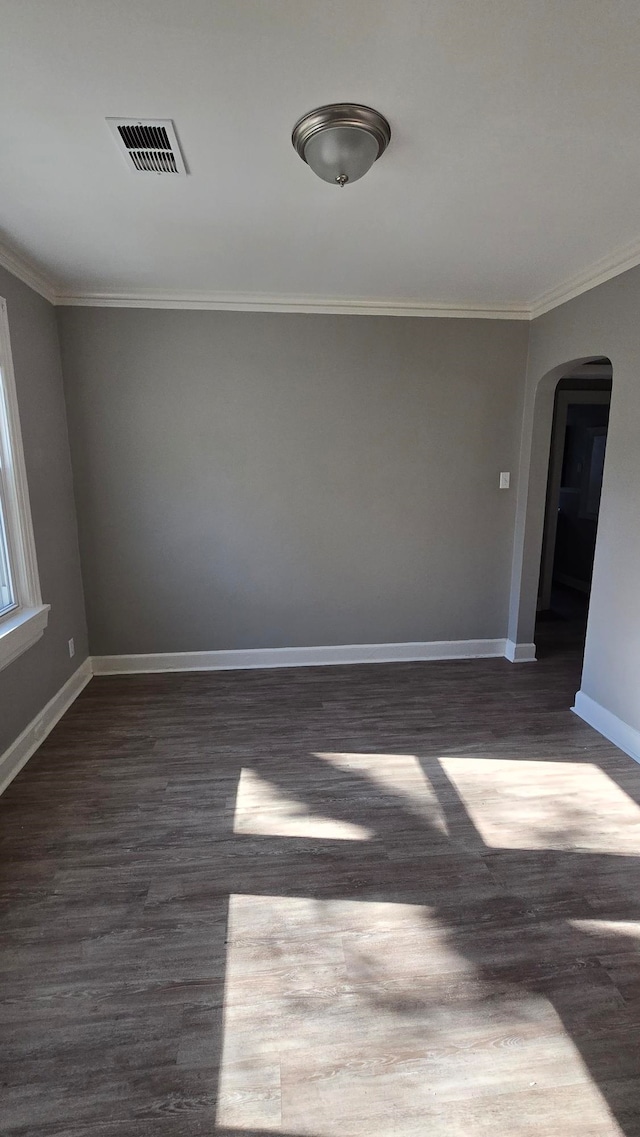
(23, 616)
(6, 587)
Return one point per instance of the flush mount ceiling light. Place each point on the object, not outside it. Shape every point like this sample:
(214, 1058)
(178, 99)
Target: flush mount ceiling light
(342, 141)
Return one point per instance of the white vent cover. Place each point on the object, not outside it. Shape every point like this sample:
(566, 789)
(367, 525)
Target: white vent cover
(149, 146)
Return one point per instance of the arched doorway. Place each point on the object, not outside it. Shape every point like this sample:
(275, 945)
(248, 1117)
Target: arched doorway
(574, 485)
(545, 461)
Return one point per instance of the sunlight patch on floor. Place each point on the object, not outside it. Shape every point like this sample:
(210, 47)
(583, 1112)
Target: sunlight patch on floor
(264, 810)
(360, 1018)
(610, 928)
(546, 805)
(399, 776)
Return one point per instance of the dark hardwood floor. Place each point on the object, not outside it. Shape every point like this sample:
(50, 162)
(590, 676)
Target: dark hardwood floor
(382, 900)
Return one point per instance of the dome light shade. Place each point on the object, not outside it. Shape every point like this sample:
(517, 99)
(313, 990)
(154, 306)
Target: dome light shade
(341, 152)
(342, 141)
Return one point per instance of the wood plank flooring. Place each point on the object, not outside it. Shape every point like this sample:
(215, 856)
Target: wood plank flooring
(390, 900)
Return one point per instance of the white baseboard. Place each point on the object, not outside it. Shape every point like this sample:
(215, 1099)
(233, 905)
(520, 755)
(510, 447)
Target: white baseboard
(520, 653)
(622, 735)
(20, 751)
(296, 656)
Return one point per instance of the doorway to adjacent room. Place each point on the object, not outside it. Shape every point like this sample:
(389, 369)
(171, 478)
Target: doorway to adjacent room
(574, 484)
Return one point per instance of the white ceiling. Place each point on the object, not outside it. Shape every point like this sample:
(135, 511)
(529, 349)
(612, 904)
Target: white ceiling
(513, 169)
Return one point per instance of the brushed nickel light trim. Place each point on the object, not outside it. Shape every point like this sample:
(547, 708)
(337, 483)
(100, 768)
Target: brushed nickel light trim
(341, 114)
(336, 116)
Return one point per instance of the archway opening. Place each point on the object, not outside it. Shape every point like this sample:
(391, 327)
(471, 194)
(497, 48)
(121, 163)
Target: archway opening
(575, 466)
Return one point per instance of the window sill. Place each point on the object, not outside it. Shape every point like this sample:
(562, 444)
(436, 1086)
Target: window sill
(20, 630)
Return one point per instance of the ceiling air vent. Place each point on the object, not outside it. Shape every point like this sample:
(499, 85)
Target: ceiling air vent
(149, 146)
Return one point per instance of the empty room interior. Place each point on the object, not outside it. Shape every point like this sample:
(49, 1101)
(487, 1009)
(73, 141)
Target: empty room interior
(319, 568)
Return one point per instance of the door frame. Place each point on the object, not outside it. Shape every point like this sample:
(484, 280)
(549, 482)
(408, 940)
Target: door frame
(533, 474)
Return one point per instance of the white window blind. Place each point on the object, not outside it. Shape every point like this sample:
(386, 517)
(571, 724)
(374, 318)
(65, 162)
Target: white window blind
(7, 599)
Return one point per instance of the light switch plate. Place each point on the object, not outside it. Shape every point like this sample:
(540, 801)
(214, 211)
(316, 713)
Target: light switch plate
(505, 478)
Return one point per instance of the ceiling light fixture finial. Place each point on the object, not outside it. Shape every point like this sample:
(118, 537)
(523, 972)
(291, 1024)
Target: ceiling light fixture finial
(341, 141)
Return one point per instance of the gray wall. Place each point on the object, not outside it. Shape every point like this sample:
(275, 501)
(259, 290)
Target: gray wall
(28, 683)
(265, 480)
(602, 322)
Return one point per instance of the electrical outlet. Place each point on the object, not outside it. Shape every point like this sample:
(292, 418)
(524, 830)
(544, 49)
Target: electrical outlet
(72, 648)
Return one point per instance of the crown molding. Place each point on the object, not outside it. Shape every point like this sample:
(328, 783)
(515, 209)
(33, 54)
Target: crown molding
(336, 306)
(25, 271)
(622, 259)
(616, 263)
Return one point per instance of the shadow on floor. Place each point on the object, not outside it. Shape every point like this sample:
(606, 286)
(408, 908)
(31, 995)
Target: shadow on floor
(189, 948)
